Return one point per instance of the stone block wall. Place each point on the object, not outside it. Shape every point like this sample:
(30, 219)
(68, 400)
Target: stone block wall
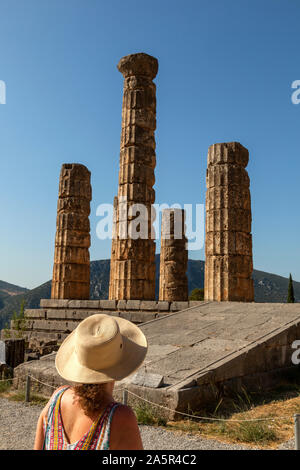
(46, 327)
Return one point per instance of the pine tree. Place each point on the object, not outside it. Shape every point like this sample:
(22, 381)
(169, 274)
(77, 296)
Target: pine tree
(291, 298)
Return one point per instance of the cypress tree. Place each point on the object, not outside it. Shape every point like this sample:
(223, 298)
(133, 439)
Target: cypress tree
(291, 298)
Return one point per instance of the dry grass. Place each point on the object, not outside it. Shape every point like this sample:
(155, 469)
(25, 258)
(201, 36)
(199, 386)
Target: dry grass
(6, 391)
(263, 434)
(282, 402)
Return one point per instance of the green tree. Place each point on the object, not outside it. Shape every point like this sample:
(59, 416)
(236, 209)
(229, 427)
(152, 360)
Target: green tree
(197, 294)
(14, 316)
(291, 297)
(22, 310)
(19, 318)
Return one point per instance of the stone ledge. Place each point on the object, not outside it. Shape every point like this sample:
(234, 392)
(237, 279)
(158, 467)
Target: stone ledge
(35, 313)
(36, 335)
(163, 305)
(84, 304)
(149, 305)
(53, 303)
(176, 306)
(121, 304)
(105, 304)
(133, 305)
(67, 314)
(138, 317)
(108, 304)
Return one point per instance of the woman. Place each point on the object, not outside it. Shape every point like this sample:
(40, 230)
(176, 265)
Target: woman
(84, 415)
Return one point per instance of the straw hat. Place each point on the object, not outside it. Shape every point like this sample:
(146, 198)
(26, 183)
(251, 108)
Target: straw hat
(101, 349)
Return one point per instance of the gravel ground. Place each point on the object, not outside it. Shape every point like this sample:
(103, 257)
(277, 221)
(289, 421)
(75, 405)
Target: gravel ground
(18, 423)
(288, 445)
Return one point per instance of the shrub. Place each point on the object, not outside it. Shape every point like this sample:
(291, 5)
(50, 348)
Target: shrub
(146, 415)
(197, 294)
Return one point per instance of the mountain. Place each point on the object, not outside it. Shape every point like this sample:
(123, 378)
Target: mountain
(11, 289)
(32, 300)
(272, 288)
(267, 287)
(7, 291)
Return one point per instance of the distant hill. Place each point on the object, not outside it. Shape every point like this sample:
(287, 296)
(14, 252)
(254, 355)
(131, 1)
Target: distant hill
(7, 291)
(272, 288)
(32, 300)
(11, 289)
(267, 287)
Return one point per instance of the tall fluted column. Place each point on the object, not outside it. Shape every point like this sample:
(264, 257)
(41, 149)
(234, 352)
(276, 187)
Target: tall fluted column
(133, 266)
(228, 241)
(173, 283)
(111, 292)
(71, 270)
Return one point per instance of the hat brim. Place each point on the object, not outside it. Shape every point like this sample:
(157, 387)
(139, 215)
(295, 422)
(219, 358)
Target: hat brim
(133, 354)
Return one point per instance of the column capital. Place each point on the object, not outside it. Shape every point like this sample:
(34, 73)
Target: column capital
(138, 64)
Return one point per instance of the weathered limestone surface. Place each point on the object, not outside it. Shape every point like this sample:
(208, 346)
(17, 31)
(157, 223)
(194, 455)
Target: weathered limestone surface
(71, 270)
(228, 241)
(173, 282)
(133, 260)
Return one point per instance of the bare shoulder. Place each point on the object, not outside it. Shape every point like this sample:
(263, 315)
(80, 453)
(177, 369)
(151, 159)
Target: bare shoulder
(124, 413)
(125, 433)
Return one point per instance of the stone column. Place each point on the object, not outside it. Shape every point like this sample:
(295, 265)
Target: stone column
(111, 294)
(71, 270)
(228, 241)
(134, 258)
(173, 282)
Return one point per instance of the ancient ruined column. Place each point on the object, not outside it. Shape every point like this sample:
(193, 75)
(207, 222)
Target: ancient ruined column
(133, 264)
(228, 241)
(111, 292)
(173, 283)
(71, 270)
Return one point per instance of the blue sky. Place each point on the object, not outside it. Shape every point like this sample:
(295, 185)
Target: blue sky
(225, 73)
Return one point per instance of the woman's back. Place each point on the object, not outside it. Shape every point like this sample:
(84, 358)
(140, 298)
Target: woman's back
(66, 426)
(100, 351)
(75, 422)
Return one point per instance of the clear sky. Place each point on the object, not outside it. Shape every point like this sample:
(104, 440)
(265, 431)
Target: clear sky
(225, 73)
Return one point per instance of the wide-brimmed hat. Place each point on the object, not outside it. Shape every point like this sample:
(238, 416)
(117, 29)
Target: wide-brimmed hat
(102, 348)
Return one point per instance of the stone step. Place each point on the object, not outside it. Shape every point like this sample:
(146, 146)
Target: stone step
(39, 318)
(141, 305)
(58, 318)
(34, 335)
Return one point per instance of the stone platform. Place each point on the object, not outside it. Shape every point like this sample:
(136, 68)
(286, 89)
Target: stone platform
(206, 350)
(45, 328)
